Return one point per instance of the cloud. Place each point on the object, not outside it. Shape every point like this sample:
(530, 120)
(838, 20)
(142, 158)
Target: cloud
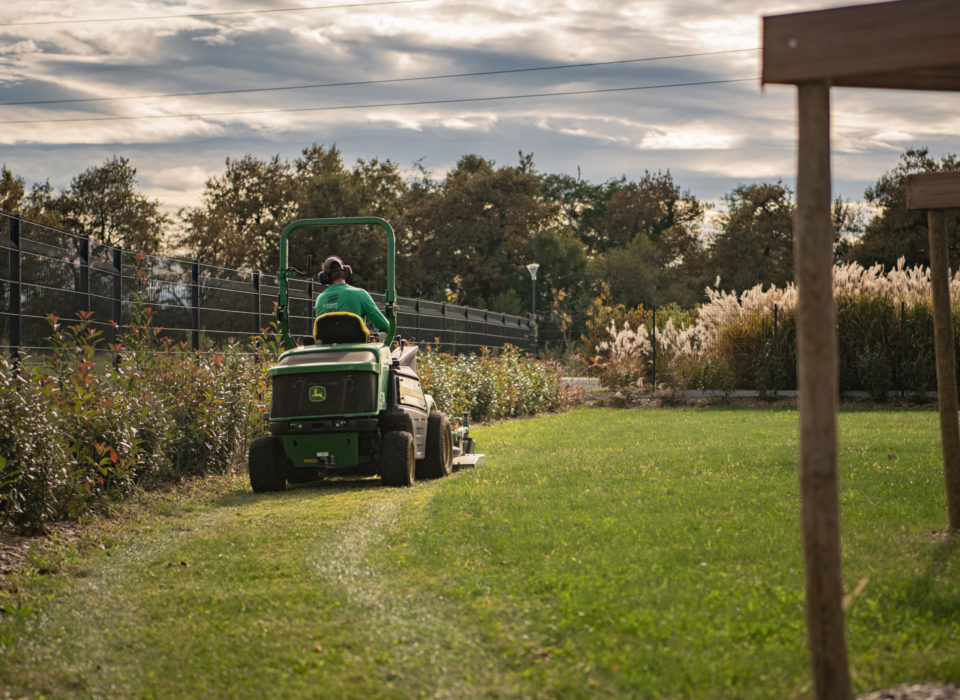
(710, 137)
(688, 137)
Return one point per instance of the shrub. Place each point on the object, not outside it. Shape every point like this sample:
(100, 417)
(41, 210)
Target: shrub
(728, 341)
(33, 458)
(491, 386)
(768, 374)
(101, 442)
(77, 431)
(873, 370)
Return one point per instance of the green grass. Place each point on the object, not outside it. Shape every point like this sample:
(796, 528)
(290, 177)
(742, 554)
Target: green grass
(640, 553)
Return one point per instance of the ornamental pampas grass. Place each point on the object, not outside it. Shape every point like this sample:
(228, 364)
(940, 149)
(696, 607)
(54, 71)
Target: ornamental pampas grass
(733, 330)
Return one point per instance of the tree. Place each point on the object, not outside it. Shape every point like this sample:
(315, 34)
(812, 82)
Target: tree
(475, 229)
(895, 232)
(244, 211)
(103, 203)
(755, 241)
(325, 188)
(12, 191)
(848, 222)
(563, 264)
(563, 286)
(34, 205)
(655, 207)
(648, 235)
(631, 273)
(578, 204)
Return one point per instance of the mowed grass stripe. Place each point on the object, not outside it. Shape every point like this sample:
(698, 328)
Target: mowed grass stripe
(642, 553)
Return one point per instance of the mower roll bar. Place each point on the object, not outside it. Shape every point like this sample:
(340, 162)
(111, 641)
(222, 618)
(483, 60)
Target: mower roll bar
(285, 272)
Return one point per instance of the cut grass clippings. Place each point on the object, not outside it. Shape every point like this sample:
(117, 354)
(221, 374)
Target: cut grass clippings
(599, 552)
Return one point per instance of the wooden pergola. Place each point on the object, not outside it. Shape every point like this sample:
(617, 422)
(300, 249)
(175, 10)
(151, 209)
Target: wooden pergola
(908, 45)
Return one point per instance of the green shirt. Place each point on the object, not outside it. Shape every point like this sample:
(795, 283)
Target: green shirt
(343, 297)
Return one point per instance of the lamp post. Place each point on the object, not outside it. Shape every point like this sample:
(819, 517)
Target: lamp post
(532, 269)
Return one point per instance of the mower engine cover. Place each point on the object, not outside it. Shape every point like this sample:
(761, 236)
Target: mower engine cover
(329, 402)
(326, 401)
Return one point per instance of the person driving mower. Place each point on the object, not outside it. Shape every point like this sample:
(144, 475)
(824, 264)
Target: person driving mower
(342, 298)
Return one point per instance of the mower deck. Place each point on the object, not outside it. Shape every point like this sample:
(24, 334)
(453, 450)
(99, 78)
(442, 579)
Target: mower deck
(468, 461)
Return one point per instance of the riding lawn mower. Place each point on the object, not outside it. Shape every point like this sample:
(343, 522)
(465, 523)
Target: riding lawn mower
(348, 402)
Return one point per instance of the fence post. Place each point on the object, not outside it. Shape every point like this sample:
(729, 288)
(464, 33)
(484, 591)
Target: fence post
(776, 348)
(256, 302)
(654, 349)
(84, 281)
(195, 304)
(416, 310)
(310, 299)
(903, 343)
(15, 296)
(443, 324)
(118, 289)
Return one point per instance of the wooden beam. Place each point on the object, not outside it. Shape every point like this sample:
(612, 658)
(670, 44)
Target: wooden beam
(946, 363)
(941, 79)
(904, 44)
(817, 397)
(933, 191)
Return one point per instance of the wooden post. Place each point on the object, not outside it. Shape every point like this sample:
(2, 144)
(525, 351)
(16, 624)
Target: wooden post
(946, 362)
(910, 45)
(817, 397)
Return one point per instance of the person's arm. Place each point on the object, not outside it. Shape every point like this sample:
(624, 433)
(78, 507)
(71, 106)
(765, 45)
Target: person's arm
(371, 311)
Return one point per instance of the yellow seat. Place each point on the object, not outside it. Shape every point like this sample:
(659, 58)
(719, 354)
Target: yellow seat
(338, 327)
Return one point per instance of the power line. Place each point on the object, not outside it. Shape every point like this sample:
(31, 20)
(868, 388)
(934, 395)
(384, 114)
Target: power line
(201, 15)
(379, 104)
(383, 81)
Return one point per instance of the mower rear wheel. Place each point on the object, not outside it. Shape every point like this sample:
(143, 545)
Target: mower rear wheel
(267, 462)
(438, 460)
(397, 458)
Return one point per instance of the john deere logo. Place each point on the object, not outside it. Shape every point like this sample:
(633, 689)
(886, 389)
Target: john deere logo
(318, 393)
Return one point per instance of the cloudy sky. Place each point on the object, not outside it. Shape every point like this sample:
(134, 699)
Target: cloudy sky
(605, 86)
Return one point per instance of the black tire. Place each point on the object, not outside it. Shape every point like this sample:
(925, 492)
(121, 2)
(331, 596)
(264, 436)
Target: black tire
(267, 464)
(302, 475)
(397, 458)
(438, 460)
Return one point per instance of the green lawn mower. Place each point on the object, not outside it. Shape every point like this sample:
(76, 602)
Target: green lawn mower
(345, 403)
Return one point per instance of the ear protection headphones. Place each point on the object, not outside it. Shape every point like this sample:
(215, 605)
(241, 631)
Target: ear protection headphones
(331, 265)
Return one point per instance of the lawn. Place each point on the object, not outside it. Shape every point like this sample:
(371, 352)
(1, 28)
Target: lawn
(599, 552)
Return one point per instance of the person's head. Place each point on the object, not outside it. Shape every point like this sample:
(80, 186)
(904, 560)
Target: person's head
(334, 271)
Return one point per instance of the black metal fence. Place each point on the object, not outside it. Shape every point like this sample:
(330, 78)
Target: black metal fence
(45, 271)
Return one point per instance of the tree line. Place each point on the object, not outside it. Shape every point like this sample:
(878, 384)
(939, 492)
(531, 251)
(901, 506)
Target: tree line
(467, 236)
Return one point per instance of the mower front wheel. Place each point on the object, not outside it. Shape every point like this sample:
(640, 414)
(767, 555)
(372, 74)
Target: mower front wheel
(266, 463)
(397, 459)
(438, 460)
